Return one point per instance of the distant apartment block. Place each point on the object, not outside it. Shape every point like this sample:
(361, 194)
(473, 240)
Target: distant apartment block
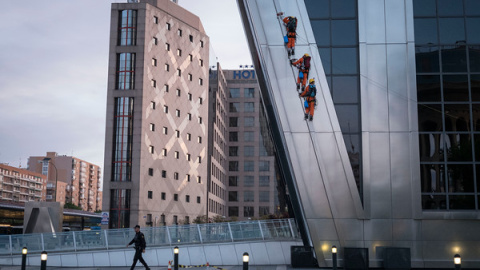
(21, 185)
(70, 180)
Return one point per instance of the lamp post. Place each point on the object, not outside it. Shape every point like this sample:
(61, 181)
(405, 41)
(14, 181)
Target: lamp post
(334, 257)
(24, 257)
(175, 258)
(457, 260)
(246, 258)
(47, 159)
(43, 259)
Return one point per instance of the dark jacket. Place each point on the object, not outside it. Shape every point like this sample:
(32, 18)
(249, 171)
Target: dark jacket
(139, 241)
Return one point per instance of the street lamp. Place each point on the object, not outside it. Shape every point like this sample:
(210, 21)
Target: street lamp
(43, 259)
(24, 257)
(47, 159)
(246, 258)
(457, 260)
(334, 257)
(175, 257)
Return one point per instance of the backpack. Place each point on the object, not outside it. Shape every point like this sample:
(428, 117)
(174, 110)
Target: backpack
(312, 90)
(291, 25)
(306, 62)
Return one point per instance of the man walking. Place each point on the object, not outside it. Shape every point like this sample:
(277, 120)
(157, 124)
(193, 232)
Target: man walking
(140, 246)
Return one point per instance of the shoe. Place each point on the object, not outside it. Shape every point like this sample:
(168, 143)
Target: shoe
(306, 117)
(298, 86)
(289, 54)
(293, 51)
(311, 118)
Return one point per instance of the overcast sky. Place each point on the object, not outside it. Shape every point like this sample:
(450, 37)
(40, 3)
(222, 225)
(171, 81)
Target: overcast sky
(53, 72)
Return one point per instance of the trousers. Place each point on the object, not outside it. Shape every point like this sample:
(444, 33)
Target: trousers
(138, 257)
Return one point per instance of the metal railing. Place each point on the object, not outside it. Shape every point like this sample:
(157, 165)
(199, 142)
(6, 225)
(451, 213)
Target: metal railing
(281, 229)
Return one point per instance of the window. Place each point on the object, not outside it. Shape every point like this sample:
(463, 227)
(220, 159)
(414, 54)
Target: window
(190, 77)
(165, 108)
(248, 196)
(151, 149)
(234, 92)
(150, 194)
(200, 62)
(233, 211)
(150, 171)
(164, 152)
(233, 136)
(201, 43)
(233, 181)
(177, 133)
(248, 136)
(188, 177)
(125, 77)
(127, 29)
(263, 196)
(179, 32)
(189, 157)
(190, 57)
(167, 67)
(198, 199)
(177, 113)
(248, 151)
(248, 181)
(233, 196)
(263, 210)
(187, 198)
(248, 211)
(233, 166)
(175, 219)
(200, 100)
(175, 197)
(234, 107)
(166, 88)
(199, 139)
(152, 105)
(165, 130)
(163, 196)
(154, 62)
(168, 26)
(264, 166)
(178, 92)
(248, 166)
(189, 96)
(190, 37)
(155, 19)
(189, 116)
(249, 107)
(233, 122)
(189, 137)
(155, 41)
(263, 181)
(199, 179)
(167, 47)
(187, 218)
(164, 174)
(199, 159)
(249, 92)
(152, 127)
(233, 151)
(154, 83)
(179, 72)
(200, 81)
(199, 120)
(177, 154)
(249, 121)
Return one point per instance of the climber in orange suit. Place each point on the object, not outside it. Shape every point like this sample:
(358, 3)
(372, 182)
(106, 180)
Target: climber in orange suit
(310, 94)
(291, 25)
(303, 65)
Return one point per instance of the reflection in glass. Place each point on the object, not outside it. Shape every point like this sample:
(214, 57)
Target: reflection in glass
(127, 29)
(452, 30)
(344, 8)
(434, 202)
(426, 31)
(352, 143)
(455, 88)
(318, 9)
(326, 59)
(123, 140)
(248, 181)
(461, 202)
(454, 59)
(427, 59)
(348, 118)
(234, 107)
(473, 30)
(345, 89)
(344, 60)
(432, 177)
(458, 147)
(457, 117)
(344, 32)
(450, 8)
(428, 88)
(234, 92)
(430, 117)
(125, 71)
(472, 7)
(321, 31)
(119, 208)
(249, 106)
(430, 147)
(460, 178)
(475, 86)
(474, 56)
(424, 8)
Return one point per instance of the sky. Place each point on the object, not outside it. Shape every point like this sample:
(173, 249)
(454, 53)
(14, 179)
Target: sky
(53, 72)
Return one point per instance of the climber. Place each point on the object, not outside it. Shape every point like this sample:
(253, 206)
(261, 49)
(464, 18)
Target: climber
(310, 93)
(291, 25)
(303, 65)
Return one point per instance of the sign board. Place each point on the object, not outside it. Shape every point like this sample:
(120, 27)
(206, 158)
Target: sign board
(105, 218)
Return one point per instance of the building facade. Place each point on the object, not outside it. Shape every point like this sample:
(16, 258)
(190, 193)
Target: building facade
(390, 159)
(21, 185)
(70, 180)
(156, 133)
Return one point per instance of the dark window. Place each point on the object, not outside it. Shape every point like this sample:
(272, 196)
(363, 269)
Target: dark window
(233, 151)
(248, 211)
(150, 171)
(233, 122)
(234, 107)
(187, 198)
(164, 174)
(198, 199)
(233, 181)
(233, 136)
(191, 38)
(175, 197)
(233, 196)
(163, 195)
(264, 181)
(150, 194)
(233, 166)
(233, 211)
(120, 208)
(248, 196)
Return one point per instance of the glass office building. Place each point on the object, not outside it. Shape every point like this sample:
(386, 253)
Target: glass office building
(391, 157)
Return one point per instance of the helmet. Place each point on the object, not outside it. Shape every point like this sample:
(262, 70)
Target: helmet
(311, 81)
(306, 55)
